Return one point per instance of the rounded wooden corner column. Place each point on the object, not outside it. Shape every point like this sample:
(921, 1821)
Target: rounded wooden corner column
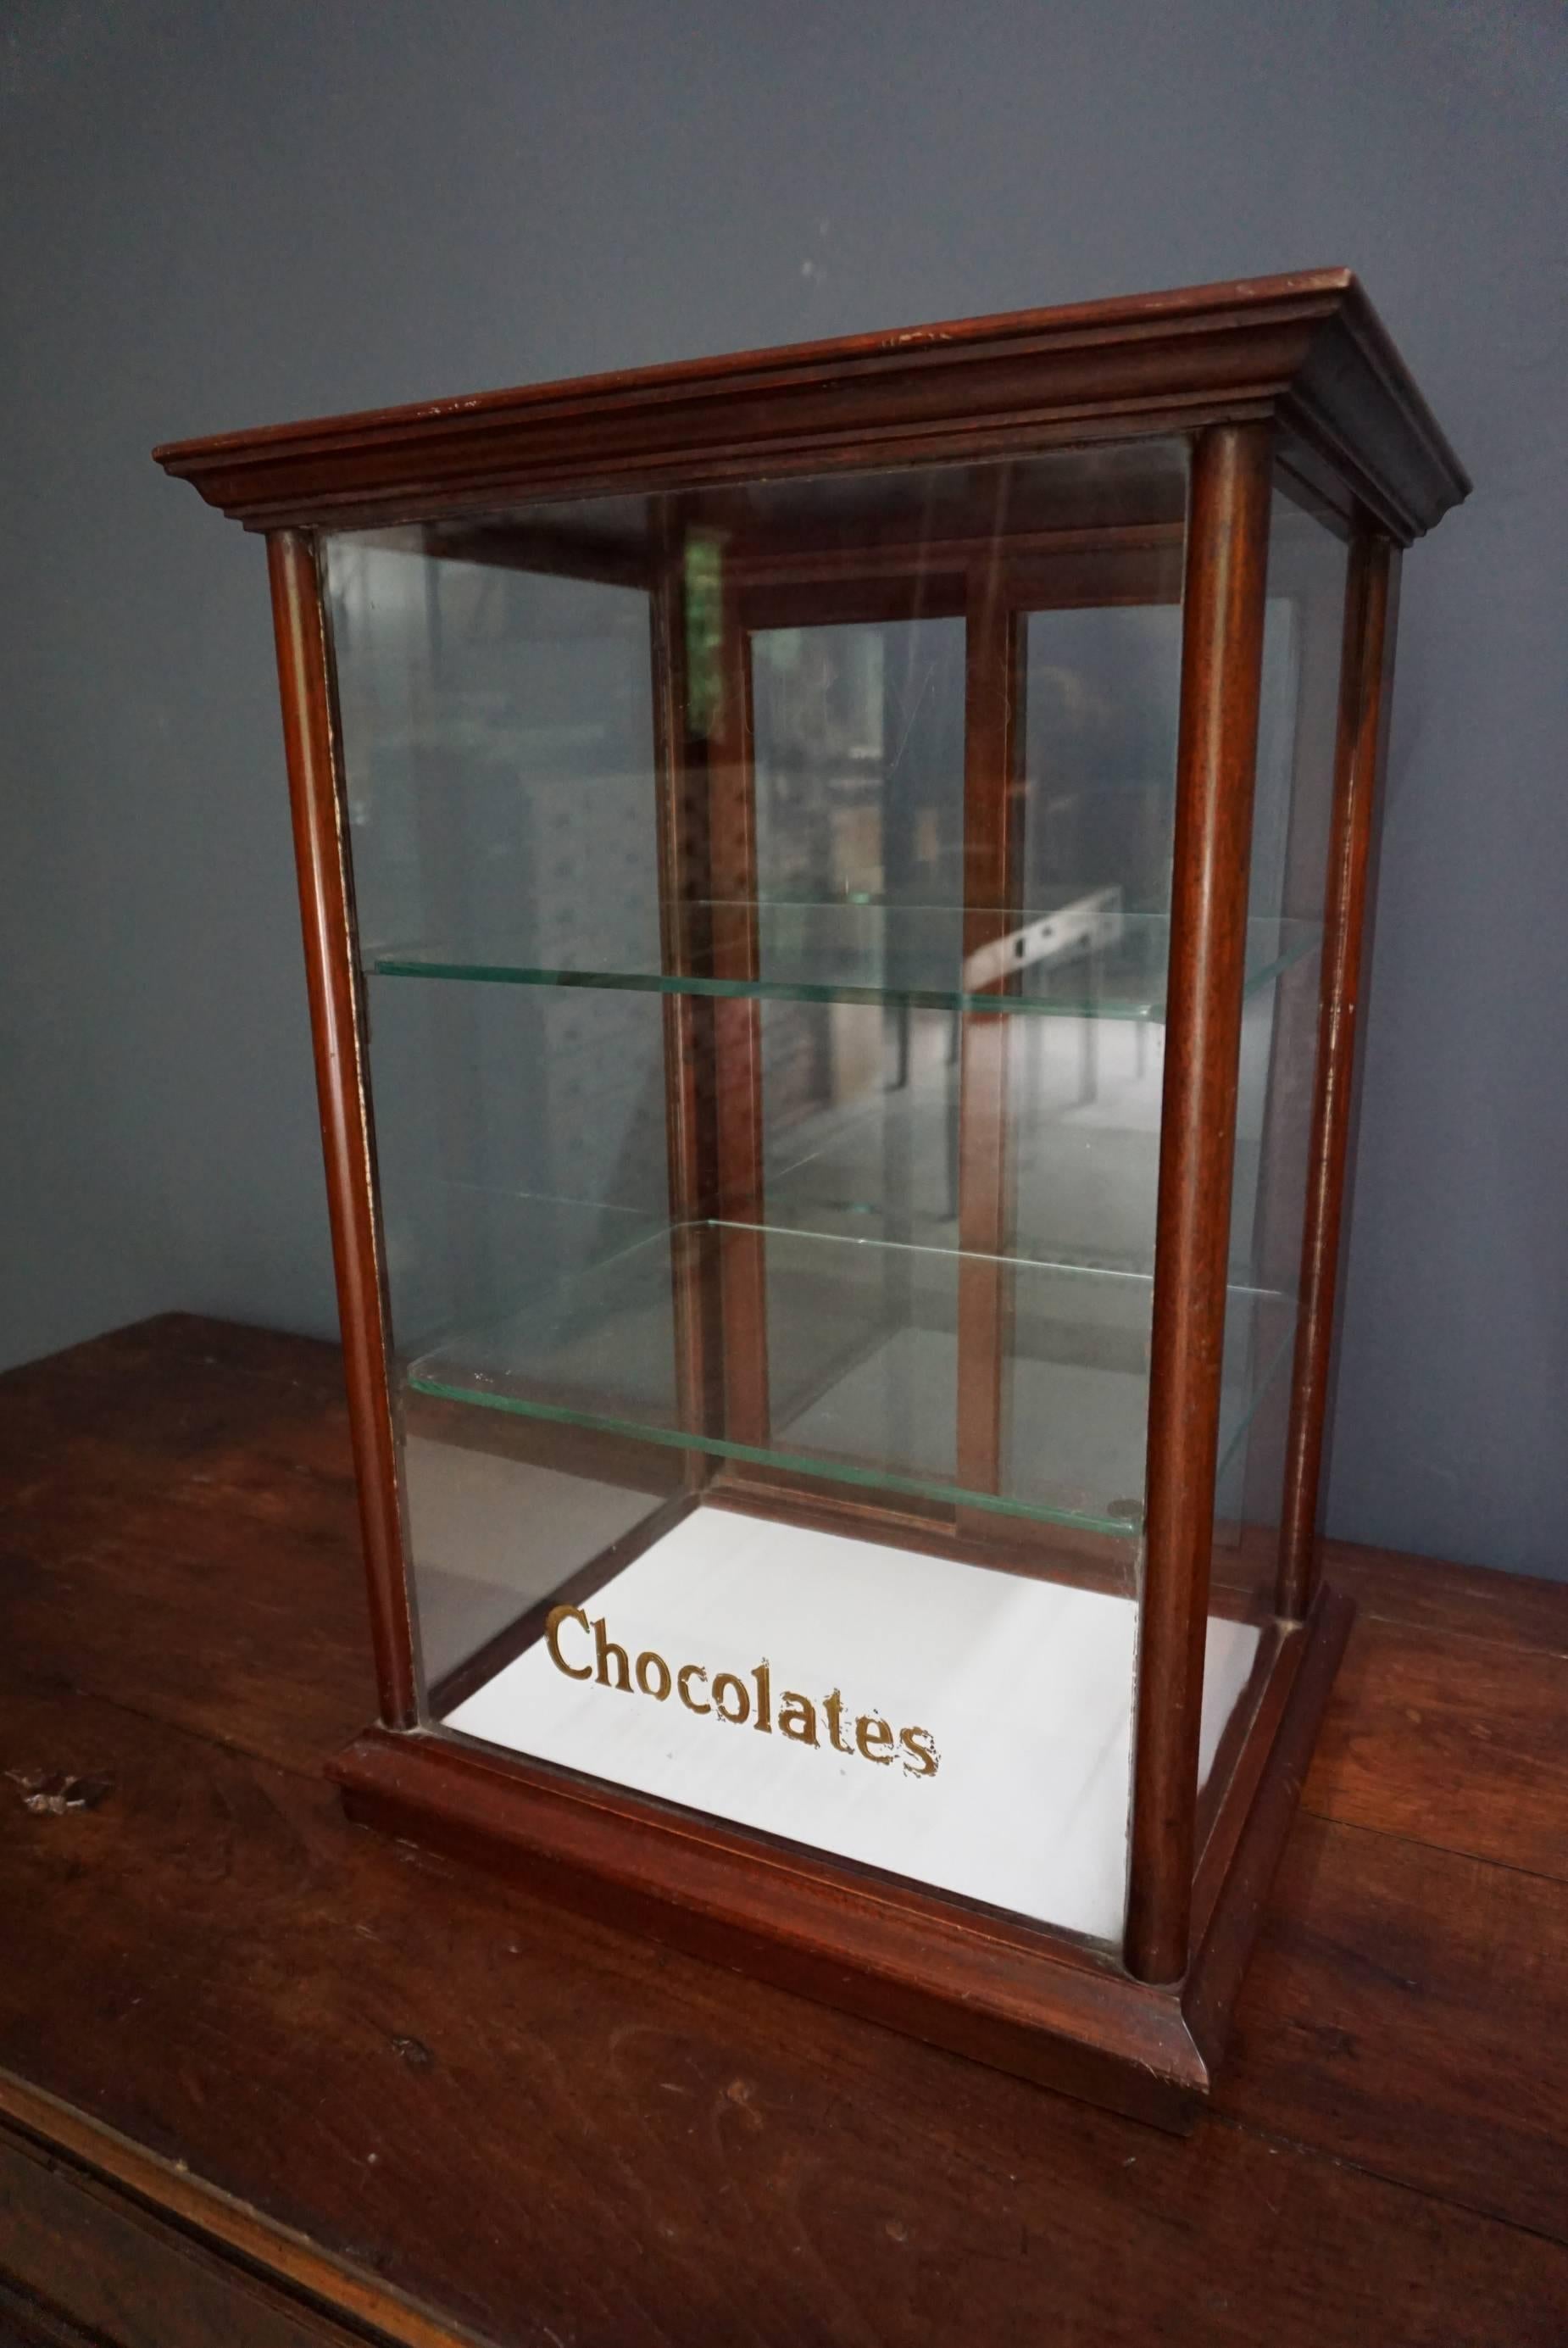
(1366, 666)
(315, 798)
(1222, 664)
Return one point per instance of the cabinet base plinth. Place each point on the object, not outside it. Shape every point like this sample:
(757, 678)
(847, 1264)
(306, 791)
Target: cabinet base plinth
(995, 1988)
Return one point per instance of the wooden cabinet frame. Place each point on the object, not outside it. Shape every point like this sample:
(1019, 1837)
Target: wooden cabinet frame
(1293, 371)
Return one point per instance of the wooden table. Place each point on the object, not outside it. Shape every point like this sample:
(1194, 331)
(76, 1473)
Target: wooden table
(267, 2078)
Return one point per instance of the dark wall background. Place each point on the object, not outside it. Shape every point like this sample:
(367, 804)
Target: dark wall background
(218, 215)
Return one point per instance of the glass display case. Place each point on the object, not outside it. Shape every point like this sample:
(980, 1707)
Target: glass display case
(833, 888)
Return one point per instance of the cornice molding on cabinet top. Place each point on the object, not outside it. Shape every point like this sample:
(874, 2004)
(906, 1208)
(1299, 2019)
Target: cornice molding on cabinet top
(1306, 349)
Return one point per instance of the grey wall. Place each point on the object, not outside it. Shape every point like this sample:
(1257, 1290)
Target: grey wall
(217, 215)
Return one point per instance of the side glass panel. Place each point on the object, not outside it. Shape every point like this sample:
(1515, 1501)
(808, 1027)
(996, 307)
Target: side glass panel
(1101, 697)
(763, 907)
(1102, 683)
(1298, 717)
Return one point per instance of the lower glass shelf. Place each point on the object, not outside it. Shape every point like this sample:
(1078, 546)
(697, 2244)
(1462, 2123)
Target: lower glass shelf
(847, 1352)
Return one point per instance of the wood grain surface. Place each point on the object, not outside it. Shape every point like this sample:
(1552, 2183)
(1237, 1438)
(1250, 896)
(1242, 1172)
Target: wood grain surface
(384, 2091)
(1455, 1741)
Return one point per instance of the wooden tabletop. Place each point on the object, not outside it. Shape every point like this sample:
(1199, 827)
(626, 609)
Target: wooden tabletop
(366, 2093)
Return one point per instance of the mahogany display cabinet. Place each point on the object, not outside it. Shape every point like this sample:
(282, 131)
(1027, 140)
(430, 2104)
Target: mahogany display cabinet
(834, 887)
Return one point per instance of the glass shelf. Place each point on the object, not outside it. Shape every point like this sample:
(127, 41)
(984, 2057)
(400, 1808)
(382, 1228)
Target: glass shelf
(861, 1358)
(1082, 958)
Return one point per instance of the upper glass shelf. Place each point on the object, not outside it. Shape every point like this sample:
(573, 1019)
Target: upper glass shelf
(1081, 957)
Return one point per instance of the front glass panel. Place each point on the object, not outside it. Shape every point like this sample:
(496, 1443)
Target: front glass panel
(763, 909)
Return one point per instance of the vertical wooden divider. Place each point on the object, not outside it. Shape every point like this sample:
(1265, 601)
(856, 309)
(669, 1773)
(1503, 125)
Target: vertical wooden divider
(1371, 604)
(445, 854)
(992, 745)
(326, 915)
(1221, 662)
(686, 943)
(737, 1039)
